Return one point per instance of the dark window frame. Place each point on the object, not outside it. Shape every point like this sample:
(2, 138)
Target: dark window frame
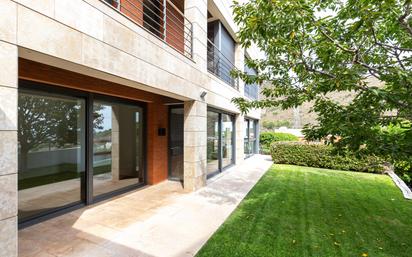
(249, 140)
(169, 161)
(220, 136)
(115, 100)
(220, 55)
(87, 185)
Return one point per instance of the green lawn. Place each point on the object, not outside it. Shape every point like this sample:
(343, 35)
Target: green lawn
(300, 211)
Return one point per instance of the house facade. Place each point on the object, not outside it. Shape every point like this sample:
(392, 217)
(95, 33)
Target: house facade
(100, 97)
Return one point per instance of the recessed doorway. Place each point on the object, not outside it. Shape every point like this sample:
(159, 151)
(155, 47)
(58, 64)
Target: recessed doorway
(176, 122)
(176, 140)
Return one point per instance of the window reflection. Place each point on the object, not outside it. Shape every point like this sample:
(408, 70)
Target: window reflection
(117, 147)
(212, 142)
(51, 163)
(227, 140)
(249, 137)
(220, 141)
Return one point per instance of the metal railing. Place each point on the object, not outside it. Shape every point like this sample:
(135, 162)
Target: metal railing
(162, 18)
(220, 65)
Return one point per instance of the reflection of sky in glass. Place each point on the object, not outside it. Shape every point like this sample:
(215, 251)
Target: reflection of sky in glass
(227, 125)
(106, 113)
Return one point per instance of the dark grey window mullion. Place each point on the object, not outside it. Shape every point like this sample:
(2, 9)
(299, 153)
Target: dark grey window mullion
(248, 136)
(220, 145)
(257, 135)
(89, 150)
(234, 139)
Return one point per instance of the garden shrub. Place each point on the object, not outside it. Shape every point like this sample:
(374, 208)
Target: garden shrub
(323, 156)
(267, 138)
(404, 170)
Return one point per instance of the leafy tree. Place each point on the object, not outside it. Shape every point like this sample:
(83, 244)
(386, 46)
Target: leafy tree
(316, 47)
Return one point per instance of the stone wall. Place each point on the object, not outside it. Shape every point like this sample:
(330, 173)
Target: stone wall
(8, 129)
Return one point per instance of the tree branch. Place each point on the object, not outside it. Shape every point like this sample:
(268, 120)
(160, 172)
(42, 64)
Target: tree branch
(402, 19)
(399, 60)
(388, 46)
(336, 43)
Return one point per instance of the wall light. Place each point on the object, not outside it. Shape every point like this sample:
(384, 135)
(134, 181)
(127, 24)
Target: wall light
(203, 94)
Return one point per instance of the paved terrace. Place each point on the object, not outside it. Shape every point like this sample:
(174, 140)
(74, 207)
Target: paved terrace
(160, 220)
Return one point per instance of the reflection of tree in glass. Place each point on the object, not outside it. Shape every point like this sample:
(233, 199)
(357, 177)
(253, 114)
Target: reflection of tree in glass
(98, 116)
(101, 134)
(47, 122)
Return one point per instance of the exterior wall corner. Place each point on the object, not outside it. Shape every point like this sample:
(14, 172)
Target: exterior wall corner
(195, 150)
(8, 148)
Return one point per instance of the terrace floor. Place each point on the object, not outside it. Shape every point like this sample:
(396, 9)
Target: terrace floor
(160, 220)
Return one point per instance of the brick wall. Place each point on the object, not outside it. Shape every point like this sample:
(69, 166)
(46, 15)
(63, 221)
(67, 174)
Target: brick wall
(133, 9)
(175, 21)
(157, 146)
(175, 26)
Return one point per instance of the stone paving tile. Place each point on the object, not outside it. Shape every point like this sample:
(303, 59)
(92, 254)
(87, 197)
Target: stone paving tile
(161, 220)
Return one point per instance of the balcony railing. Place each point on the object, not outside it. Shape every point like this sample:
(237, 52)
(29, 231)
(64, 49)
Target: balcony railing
(219, 65)
(162, 18)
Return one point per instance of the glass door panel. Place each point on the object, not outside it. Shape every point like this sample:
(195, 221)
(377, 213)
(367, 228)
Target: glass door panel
(51, 152)
(176, 121)
(220, 141)
(227, 140)
(213, 128)
(246, 138)
(117, 147)
(250, 137)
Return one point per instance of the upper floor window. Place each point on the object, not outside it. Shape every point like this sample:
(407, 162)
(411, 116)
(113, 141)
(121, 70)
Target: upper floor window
(251, 90)
(221, 52)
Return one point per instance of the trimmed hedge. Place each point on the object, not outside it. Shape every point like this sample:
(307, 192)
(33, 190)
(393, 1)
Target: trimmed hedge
(323, 156)
(267, 138)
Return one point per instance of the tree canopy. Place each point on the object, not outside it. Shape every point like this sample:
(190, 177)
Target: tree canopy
(317, 47)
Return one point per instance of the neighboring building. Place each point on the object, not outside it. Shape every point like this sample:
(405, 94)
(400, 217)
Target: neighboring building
(101, 97)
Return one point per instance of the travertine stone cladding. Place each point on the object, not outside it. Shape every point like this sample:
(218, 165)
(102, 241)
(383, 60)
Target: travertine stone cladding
(195, 118)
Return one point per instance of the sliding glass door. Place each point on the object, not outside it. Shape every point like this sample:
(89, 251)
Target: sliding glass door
(227, 140)
(51, 152)
(213, 142)
(117, 146)
(250, 139)
(220, 141)
(75, 148)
